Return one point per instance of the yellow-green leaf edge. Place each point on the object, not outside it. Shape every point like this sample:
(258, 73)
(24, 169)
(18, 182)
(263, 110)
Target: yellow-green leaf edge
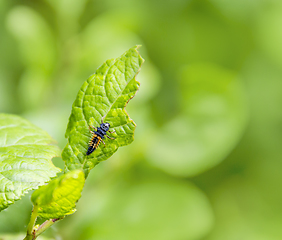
(59, 197)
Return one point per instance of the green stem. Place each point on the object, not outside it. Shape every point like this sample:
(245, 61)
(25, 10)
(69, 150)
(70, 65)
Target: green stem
(29, 234)
(44, 226)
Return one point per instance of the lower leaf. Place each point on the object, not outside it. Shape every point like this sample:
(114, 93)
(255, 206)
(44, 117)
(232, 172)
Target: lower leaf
(59, 197)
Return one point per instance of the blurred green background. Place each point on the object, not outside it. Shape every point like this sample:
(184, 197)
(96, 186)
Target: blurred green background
(206, 160)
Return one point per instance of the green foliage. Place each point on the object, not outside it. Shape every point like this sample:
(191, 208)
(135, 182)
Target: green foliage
(33, 31)
(212, 120)
(137, 211)
(26, 150)
(104, 95)
(25, 158)
(59, 197)
(184, 127)
(20, 237)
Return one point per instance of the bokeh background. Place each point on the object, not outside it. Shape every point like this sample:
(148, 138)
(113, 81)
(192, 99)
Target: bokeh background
(206, 160)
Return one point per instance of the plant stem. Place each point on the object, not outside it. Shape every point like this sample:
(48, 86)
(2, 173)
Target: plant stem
(29, 234)
(44, 226)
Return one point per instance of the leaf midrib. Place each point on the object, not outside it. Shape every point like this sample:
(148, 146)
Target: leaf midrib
(111, 105)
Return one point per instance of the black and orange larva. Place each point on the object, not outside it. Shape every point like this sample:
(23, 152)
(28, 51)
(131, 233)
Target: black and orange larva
(97, 136)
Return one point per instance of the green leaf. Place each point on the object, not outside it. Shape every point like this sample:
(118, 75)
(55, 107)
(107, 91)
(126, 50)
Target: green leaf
(25, 158)
(59, 197)
(104, 94)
